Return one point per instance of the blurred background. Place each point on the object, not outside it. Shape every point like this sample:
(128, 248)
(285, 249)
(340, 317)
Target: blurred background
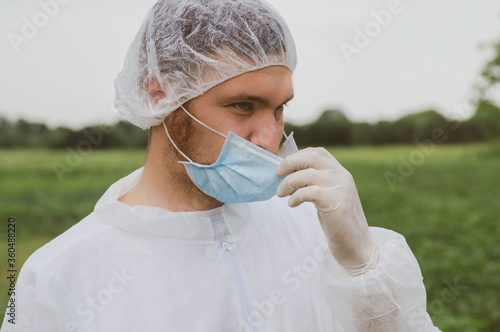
(404, 93)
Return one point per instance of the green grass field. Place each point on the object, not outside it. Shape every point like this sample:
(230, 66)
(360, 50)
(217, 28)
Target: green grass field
(444, 201)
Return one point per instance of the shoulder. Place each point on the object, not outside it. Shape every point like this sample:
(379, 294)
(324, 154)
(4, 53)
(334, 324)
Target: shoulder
(63, 247)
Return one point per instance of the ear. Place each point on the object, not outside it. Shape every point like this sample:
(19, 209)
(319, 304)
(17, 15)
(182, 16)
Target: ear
(153, 88)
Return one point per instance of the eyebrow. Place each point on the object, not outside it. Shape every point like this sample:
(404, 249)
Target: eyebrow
(246, 96)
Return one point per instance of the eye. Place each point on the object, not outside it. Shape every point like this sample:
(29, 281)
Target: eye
(243, 107)
(278, 112)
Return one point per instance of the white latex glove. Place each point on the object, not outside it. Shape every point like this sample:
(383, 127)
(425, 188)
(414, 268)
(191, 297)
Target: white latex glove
(314, 175)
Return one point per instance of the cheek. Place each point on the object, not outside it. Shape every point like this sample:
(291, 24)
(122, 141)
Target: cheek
(204, 146)
(178, 127)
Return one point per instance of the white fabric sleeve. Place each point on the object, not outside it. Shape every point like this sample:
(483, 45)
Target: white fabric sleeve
(24, 299)
(33, 311)
(390, 297)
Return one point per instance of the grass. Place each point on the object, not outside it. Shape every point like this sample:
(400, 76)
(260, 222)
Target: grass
(444, 201)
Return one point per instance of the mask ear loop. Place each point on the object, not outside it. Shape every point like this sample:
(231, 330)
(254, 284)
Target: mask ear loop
(204, 125)
(175, 146)
(195, 119)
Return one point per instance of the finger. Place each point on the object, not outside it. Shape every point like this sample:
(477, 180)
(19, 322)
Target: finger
(303, 178)
(306, 194)
(294, 181)
(308, 158)
(315, 194)
(292, 163)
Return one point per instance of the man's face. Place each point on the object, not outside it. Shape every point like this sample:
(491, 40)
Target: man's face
(251, 105)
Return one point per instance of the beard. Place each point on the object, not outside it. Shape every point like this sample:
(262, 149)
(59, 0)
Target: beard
(188, 137)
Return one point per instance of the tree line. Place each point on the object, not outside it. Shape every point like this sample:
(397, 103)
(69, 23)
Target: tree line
(332, 128)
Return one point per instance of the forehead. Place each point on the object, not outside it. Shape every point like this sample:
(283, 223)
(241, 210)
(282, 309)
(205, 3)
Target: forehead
(272, 85)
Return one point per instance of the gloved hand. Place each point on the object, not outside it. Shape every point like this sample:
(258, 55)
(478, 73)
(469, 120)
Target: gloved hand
(314, 175)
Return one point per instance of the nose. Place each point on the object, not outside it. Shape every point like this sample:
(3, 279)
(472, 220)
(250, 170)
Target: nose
(267, 134)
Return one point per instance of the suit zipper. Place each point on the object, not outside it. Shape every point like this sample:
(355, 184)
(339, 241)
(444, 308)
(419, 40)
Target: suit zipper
(232, 259)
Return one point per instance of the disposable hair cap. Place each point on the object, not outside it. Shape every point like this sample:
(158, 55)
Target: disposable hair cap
(189, 46)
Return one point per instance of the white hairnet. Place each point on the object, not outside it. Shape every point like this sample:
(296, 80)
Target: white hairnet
(192, 45)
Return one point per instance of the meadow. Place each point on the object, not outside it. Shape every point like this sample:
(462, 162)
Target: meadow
(443, 199)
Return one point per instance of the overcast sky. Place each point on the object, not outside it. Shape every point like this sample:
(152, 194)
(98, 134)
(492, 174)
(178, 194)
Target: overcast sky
(425, 55)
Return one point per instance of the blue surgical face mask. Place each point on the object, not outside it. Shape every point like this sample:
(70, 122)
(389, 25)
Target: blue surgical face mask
(244, 172)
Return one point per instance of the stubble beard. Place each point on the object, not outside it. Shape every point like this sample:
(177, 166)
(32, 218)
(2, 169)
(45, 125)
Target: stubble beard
(187, 138)
(186, 135)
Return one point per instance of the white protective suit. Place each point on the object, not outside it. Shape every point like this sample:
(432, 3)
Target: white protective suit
(244, 267)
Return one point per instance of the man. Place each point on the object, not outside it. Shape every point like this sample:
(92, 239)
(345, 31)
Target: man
(195, 240)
